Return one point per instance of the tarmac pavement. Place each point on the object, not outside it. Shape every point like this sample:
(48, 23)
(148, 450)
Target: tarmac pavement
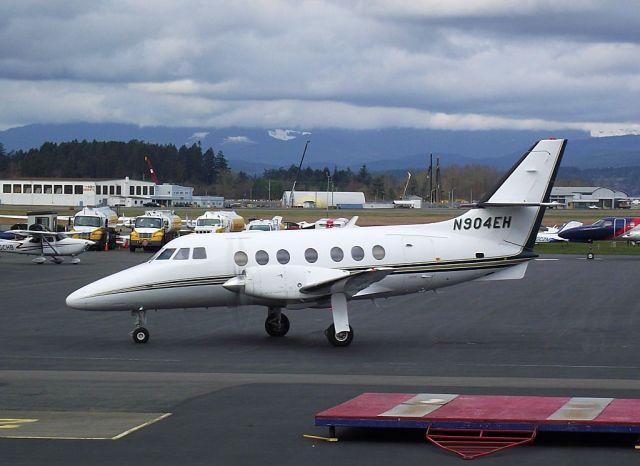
(211, 387)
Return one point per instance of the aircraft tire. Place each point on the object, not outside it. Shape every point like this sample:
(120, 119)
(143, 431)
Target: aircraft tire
(140, 335)
(591, 256)
(341, 341)
(132, 249)
(277, 330)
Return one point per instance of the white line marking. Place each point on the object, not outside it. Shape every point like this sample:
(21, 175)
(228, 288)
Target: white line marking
(78, 358)
(564, 366)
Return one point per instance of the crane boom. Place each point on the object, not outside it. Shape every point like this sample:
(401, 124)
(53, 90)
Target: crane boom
(154, 177)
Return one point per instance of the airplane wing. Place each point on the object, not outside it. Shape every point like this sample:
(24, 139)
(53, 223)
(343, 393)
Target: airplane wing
(37, 232)
(349, 284)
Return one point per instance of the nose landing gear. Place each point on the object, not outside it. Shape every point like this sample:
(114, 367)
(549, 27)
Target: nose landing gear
(140, 334)
(277, 324)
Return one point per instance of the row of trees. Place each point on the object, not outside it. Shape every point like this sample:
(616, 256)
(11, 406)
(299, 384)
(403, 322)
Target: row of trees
(210, 174)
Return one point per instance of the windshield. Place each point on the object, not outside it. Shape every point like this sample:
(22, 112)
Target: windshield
(260, 227)
(148, 222)
(208, 222)
(86, 221)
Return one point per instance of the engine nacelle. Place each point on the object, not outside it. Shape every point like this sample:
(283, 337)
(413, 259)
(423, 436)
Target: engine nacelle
(282, 281)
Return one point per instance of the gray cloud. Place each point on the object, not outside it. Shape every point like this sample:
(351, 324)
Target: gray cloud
(358, 64)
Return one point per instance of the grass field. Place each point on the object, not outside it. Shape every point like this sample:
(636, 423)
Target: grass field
(601, 247)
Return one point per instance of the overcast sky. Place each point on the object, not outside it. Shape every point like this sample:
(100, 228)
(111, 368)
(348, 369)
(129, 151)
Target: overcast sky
(455, 64)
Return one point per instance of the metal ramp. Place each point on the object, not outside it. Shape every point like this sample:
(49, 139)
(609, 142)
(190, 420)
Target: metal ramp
(473, 443)
(477, 425)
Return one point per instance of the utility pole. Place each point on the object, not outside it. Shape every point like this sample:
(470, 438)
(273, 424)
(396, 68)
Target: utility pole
(431, 179)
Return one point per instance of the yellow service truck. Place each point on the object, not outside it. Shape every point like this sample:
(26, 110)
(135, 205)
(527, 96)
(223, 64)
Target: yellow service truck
(96, 224)
(154, 229)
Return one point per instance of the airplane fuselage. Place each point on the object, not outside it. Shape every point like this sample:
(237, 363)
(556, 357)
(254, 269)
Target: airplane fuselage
(422, 258)
(608, 228)
(62, 247)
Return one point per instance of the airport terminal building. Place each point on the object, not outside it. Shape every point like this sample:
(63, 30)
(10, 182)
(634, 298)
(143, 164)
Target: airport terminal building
(75, 192)
(95, 192)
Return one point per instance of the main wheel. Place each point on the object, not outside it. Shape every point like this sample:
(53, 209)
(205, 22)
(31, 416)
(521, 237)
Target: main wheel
(132, 249)
(140, 335)
(275, 328)
(339, 339)
(591, 256)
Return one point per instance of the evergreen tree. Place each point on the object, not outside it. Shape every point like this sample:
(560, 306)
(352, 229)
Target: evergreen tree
(209, 166)
(221, 164)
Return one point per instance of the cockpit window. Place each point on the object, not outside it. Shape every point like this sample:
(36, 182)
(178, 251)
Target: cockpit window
(199, 253)
(166, 254)
(182, 254)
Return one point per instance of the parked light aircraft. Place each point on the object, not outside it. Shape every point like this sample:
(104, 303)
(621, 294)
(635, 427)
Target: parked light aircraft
(605, 229)
(328, 268)
(550, 235)
(43, 244)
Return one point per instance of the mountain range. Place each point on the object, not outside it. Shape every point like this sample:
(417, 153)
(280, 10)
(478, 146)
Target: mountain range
(252, 149)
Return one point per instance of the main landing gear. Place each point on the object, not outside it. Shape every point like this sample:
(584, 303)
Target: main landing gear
(277, 324)
(339, 338)
(340, 333)
(140, 334)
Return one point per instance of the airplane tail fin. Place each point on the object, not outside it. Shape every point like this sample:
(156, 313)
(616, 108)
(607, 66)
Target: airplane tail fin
(512, 213)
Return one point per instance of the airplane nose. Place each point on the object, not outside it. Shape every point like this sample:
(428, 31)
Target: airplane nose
(76, 299)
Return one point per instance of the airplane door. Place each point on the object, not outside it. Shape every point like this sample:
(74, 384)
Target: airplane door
(418, 251)
(619, 226)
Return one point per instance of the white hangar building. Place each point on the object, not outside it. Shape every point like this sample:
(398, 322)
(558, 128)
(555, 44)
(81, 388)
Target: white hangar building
(323, 199)
(589, 196)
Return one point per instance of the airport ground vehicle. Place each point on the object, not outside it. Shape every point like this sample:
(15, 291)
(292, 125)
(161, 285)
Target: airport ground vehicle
(220, 221)
(154, 229)
(96, 224)
(265, 224)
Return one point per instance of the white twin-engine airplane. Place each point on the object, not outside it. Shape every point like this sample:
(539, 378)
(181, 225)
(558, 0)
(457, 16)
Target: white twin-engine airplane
(328, 268)
(44, 244)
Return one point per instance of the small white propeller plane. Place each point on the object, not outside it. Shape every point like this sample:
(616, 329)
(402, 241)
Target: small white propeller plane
(44, 244)
(328, 268)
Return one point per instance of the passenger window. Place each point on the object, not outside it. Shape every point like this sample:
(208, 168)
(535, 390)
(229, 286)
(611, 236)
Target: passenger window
(311, 255)
(357, 253)
(182, 254)
(199, 253)
(166, 254)
(262, 257)
(241, 258)
(283, 256)
(378, 252)
(336, 254)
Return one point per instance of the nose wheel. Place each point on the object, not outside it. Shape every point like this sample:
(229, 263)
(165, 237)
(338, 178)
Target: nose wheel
(277, 324)
(140, 334)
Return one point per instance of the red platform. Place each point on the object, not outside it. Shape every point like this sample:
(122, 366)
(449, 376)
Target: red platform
(446, 411)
